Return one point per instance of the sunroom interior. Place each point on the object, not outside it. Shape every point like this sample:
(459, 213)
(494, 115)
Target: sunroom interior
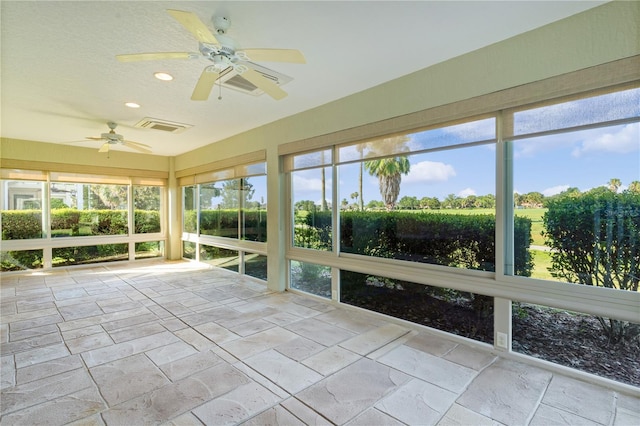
(294, 206)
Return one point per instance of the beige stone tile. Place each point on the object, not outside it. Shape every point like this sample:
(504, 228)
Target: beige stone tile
(171, 352)
(43, 390)
(125, 349)
(344, 395)
(259, 342)
(87, 343)
(251, 327)
(546, 415)
(95, 420)
(236, 406)
(474, 358)
(35, 320)
(187, 419)
(177, 398)
(374, 417)
(432, 369)
(43, 354)
(82, 332)
(356, 322)
(626, 417)
(320, 331)
(304, 413)
(49, 368)
(431, 344)
(299, 348)
(127, 378)
(371, 340)
(275, 416)
(283, 371)
(135, 332)
(60, 411)
(33, 343)
(216, 333)
(331, 360)
(7, 372)
(418, 402)
(580, 398)
(195, 339)
(506, 391)
(259, 378)
(181, 368)
(461, 416)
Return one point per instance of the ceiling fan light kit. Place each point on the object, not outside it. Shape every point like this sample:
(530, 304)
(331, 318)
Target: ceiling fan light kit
(222, 51)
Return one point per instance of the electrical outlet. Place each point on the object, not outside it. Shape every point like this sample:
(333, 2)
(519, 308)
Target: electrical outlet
(501, 340)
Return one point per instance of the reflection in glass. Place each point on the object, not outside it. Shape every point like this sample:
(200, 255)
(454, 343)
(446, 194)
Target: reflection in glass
(21, 208)
(311, 278)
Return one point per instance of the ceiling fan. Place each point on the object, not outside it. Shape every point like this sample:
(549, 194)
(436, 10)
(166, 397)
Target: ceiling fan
(112, 138)
(220, 50)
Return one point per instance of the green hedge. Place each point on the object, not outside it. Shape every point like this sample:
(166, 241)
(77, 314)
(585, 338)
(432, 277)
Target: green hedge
(466, 241)
(27, 224)
(21, 224)
(224, 223)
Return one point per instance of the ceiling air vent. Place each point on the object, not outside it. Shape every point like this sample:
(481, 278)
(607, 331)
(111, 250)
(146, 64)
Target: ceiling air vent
(162, 125)
(231, 79)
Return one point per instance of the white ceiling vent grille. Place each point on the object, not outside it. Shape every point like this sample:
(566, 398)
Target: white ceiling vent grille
(231, 79)
(162, 125)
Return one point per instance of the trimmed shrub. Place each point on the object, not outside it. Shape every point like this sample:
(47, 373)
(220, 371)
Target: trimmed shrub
(21, 224)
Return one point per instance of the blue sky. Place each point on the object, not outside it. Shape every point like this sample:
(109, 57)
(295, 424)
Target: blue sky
(549, 164)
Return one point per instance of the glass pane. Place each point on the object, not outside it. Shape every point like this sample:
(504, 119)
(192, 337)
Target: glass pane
(462, 313)
(475, 131)
(149, 249)
(311, 199)
(82, 255)
(311, 278)
(88, 209)
(189, 250)
(598, 109)
(20, 260)
(146, 201)
(21, 209)
(581, 193)
(601, 346)
(312, 159)
(219, 208)
(436, 207)
(220, 257)
(254, 211)
(255, 265)
(190, 209)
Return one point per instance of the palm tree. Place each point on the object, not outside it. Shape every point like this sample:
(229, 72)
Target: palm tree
(635, 187)
(389, 172)
(614, 184)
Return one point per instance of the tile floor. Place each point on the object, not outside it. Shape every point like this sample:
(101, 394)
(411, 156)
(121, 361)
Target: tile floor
(178, 344)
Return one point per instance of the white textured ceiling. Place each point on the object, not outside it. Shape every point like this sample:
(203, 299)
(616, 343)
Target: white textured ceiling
(61, 81)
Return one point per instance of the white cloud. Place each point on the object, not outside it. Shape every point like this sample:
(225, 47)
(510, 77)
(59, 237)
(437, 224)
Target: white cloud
(624, 141)
(548, 192)
(466, 192)
(301, 183)
(429, 172)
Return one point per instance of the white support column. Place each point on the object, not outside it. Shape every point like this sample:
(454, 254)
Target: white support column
(277, 202)
(173, 208)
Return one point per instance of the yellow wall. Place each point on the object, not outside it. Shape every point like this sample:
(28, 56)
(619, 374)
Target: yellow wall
(603, 34)
(87, 158)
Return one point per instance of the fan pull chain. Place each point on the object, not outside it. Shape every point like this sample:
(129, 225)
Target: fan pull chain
(220, 91)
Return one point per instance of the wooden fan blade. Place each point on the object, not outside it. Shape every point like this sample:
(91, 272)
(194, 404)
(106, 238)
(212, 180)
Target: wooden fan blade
(137, 146)
(194, 25)
(105, 147)
(275, 55)
(262, 83)
(93, 138)
(205, 84)
(134, 57)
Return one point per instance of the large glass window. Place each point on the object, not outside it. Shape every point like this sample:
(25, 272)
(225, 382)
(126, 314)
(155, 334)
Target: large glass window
(84, 209)
(146, 203)
(220, 208)
(580, 190)
(311, 278)
(21, 209)
(189, 209)
(83, 255)
(312, 208)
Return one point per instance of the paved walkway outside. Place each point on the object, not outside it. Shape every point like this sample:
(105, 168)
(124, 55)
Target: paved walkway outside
(178, 344)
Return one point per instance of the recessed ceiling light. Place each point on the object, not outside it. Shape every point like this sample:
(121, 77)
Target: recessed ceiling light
(163, 76)
(132, 105)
